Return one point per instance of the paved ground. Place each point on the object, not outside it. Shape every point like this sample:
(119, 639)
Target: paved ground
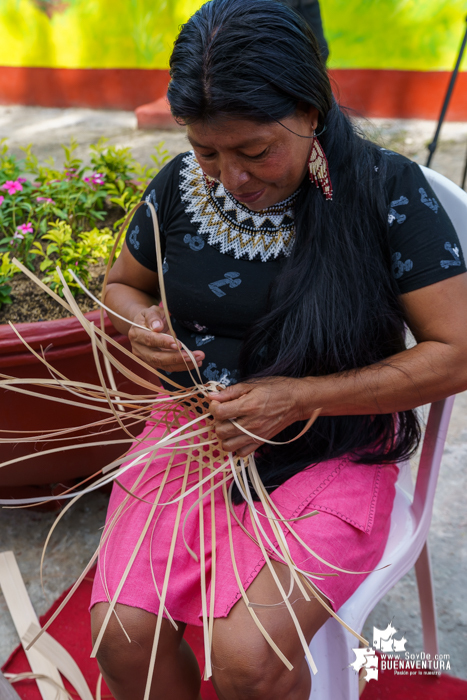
(77, 536)
(47, 129)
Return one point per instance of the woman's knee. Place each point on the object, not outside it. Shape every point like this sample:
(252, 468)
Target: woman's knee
(244, 664)
(251, 670)
(126, 645)
(115, 652)
(250, 678)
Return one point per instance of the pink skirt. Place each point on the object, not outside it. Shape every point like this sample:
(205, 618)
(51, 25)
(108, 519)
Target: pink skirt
(350, 531)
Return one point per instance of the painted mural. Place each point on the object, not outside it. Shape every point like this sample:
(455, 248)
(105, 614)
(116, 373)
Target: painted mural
(418, 35)
(90, 33)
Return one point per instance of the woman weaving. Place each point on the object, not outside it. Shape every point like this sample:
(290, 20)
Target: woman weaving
(294, 297)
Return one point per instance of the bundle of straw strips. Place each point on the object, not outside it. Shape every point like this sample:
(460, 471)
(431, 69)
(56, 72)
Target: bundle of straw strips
(188, 425)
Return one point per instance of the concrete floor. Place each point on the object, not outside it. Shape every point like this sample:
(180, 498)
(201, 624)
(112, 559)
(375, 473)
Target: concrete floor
(76, 538)
(47, 129)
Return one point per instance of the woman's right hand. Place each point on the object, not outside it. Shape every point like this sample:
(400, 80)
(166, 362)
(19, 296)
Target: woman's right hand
(156, 346)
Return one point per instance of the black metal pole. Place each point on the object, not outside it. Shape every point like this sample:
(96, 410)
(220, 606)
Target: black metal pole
(447, 99)
(464, 177)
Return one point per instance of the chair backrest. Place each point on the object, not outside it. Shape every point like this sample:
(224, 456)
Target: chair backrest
(332, 646)
(454, 201)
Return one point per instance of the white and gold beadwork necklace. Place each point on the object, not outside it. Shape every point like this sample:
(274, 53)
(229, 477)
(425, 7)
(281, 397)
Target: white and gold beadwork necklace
(228, 225)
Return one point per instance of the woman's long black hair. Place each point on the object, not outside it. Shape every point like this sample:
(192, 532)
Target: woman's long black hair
(334, 307)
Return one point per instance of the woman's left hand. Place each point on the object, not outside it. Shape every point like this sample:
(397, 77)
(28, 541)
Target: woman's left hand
(264, 407)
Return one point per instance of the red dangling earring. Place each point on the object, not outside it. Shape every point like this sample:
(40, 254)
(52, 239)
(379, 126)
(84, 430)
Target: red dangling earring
(209, 181)
(318, 168)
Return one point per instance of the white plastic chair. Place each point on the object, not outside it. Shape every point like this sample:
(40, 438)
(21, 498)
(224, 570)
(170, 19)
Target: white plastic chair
(410, 521)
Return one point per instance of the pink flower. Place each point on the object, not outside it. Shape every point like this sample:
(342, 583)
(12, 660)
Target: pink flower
(95, 179)
(1, 199)
(16, 236)
(21, 179)
(12, 186)
(24, 228)
(46, 200)
(72, 172)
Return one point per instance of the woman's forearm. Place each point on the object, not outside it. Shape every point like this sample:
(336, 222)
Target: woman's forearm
(427, 372)
(128, 302)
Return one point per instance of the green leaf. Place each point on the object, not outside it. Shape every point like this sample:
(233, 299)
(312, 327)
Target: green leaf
(5, 291)
(60, 212)
(66, 233)
(51, 248)
(45, 264)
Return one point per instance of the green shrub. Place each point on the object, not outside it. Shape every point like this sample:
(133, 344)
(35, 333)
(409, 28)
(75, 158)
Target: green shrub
(59, 215)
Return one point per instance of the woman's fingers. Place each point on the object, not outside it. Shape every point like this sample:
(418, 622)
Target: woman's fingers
(263, 408)
(226, 429)
(170, 360)
(154, 319)
(151, 339)
(242, 445)
(232, 392)
(156, 346)
(225, 411)
(233, 439)
(247, 450)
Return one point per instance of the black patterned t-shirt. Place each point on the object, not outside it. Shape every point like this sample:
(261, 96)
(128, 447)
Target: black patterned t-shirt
(220, 258)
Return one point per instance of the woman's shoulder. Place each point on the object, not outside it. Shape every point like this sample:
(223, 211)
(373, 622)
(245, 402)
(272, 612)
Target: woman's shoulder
(424, 244)
(406, 188)
(163, 193)
(166, 178)
(395, 167)
(390, 174)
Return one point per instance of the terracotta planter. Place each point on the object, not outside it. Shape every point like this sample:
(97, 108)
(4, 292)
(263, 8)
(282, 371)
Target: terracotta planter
(70, 354)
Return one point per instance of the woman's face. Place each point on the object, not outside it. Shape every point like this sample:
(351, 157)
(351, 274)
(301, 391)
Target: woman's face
(259, 164)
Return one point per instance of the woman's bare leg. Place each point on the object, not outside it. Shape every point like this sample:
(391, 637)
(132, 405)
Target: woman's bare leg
(125, 665)
(244, 665)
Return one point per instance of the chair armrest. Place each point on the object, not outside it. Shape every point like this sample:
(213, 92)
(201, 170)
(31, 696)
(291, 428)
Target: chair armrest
(430, 459)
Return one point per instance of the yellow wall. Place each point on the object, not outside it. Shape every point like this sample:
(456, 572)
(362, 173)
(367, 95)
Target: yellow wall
(403, 34)
(422, 35)
(90, 33)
